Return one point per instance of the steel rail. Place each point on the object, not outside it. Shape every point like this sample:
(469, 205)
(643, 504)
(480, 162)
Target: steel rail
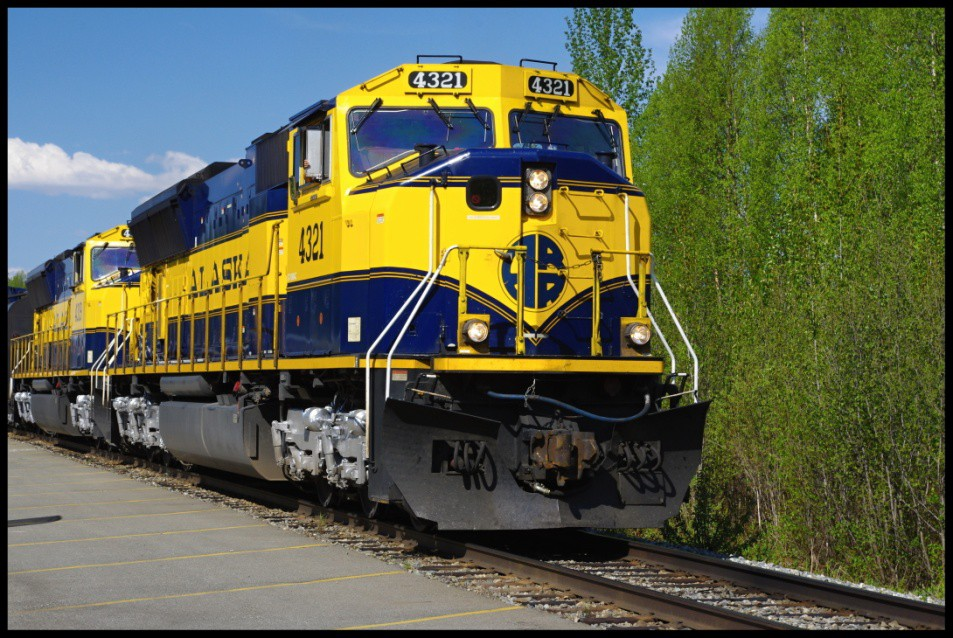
(906, 611)
(630, 597)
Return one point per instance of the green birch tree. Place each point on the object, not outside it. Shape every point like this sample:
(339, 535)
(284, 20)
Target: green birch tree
(797, 185)
(605, 47)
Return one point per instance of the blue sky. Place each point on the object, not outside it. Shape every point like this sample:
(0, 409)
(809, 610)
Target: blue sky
(107, 107)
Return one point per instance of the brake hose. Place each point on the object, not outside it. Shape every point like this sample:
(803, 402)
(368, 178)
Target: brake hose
(557, 403)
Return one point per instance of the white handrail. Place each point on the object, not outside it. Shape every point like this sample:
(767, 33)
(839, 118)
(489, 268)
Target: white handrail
(628, 275)
(106, 378)
(691, 352)
(656, 285)
(29, 347)
(367, 372)
(413, 313)
(99, 361)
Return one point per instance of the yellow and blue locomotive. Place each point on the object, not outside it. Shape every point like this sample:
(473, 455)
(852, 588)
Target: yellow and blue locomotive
(54, 364)
(431, 291)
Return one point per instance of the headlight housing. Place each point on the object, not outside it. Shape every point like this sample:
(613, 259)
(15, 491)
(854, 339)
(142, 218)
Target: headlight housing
(537, 189)
(638, 333)
(476, 331)
(538, 179)
(538, 203)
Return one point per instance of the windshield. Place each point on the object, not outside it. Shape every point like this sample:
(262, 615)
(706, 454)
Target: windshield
(601, 139)
(389, 134)
(109, 259)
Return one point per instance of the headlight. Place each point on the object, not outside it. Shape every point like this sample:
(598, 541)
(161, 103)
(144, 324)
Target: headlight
(476, 330)
(538, 203)
(638, 333)
(539, 179)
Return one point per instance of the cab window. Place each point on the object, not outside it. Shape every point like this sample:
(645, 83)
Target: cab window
(380, 137)
(78, 267)
(106, 260)
(312, 153)
(63, 278)
(597, 137)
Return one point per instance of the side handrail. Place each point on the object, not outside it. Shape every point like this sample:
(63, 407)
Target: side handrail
(158, 311)
(107, 382)
(656, 285)
(367, 365)
(29, 347)
(100, 361)
(691, 352)
(413, 313)
(628, 275)
(430, 282)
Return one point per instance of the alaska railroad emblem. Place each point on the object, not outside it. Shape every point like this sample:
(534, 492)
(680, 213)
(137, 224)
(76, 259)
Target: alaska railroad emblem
(542, 283)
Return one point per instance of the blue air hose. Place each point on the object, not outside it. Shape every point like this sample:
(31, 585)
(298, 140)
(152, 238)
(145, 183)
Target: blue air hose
(590, 415)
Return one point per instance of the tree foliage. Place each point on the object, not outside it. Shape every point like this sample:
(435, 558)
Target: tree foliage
(605, 47)
(17, 279)
(797, 184)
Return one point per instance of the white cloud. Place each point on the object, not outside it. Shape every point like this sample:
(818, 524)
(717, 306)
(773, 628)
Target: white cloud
(49, 169)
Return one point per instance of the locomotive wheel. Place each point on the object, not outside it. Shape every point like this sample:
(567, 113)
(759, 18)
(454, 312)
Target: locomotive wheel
(420, 524)
(370, 508)
(328, 495)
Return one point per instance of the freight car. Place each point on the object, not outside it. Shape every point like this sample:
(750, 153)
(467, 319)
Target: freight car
(431, 291)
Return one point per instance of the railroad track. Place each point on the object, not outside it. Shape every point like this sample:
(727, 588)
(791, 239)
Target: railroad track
(593, 578)
(908, 612)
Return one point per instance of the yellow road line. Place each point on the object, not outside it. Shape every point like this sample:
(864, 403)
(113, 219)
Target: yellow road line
(159, 560)
(117, 477)
(207, 593)
(429, 618)
(141, 500)
(108, 538)
(67, 474)
(109, 518)
(135, 489)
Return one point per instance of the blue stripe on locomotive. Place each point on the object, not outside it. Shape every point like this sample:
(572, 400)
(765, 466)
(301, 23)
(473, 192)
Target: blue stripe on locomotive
(250, 341)
(316, 319)
(79, 343)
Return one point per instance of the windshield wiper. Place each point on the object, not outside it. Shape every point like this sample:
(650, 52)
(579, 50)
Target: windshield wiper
(366, 115)
(428, 151)
(485, 124)
(607, 133)
(442, 115)
(388, 162)
(549, 120)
